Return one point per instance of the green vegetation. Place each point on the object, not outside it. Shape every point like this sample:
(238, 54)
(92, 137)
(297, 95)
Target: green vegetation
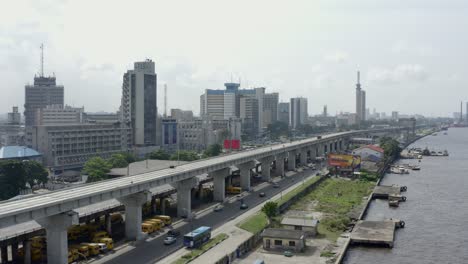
(368, 176)
(327, 254)
(15, 175)
(97, 168)
(118, 161)
(255, 223)
(278, 129)
(391, 148)
(270, 209)
(185, 155)
(297, 190)
(213, 150)
(159, 155)
(336, 198)
(197, 252)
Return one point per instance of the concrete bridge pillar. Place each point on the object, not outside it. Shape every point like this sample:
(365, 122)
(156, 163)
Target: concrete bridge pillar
(292, 160)
(14, 252)
(313, 153)
(245, 174)
(133, 214)
(219, 182)
(184, 197)
(4, 254)
(56, 229)
(27, 251)
(162, 204)
(266, 167)
(280, 165)
(303, 157)
(108, 222)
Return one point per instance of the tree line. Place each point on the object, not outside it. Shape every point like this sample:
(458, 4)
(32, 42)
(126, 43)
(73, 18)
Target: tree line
(18, 175)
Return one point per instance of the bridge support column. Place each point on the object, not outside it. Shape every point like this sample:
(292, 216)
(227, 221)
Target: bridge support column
(184, 197)
(4, 254)
(27, 251)
(56, 229)
(245, 174)
(313, 153)
(133, 214)
(153, 205)
(162, 204)
(304, 157)
(108, 222)
(280, 165)
(292, 160)
(266, 167)
(14, 252)
(219, 182)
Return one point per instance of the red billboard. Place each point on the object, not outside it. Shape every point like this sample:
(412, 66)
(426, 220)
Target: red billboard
(232, 144)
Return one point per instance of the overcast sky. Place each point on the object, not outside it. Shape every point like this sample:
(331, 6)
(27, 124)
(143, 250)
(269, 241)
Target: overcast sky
(412, 53)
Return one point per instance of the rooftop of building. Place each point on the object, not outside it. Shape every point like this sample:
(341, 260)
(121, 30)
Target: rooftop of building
(299, 221)
(17, 152)
(283, 233)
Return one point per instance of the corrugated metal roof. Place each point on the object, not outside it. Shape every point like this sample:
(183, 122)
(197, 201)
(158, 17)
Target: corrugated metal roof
(283, 233)
(12, 152)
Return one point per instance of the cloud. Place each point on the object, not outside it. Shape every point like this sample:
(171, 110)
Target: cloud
(399, 74)
(337, 57)
(405, 48)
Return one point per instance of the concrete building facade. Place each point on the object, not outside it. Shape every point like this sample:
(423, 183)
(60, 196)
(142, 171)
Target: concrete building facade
(283, 239)
(70, 146)
(270, 108)
(170, 136)
(283, 112)
(139, 104)
(59, 115)
(14, 117)
(298, 112)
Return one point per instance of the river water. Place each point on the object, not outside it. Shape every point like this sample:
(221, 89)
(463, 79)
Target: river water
(436, 212)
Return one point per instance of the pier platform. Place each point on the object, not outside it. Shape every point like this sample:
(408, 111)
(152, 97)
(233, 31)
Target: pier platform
(377, 233)
(383, 192)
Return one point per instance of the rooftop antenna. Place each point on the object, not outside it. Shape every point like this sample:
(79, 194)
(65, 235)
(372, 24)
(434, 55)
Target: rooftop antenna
(42, 60)
(165, 100)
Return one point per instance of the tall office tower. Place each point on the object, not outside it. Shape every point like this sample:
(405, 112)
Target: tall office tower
(363, 105)
(298, 112)
(139, 106)
(14, 118)
(283, 112)
(358, 99)
(270, 108)
(249, 109)
(325, 111)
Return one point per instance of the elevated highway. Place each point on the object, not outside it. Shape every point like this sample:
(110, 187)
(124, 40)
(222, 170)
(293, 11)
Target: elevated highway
(54, 210)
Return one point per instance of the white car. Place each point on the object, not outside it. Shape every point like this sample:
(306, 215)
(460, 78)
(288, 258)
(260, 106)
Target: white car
(102, 247)
(169, 240)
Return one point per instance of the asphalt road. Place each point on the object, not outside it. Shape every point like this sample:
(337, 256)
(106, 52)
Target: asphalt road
(154, 250)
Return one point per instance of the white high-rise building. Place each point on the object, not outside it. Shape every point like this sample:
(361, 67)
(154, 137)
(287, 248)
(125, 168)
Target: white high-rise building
(360, 101)
(298, 112)
(139, 104)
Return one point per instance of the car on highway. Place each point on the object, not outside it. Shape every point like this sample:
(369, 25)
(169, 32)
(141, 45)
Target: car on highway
(275, 185)
(262, 194)
(173, 233)
(170, 240)
(218, 208)
(244, 206)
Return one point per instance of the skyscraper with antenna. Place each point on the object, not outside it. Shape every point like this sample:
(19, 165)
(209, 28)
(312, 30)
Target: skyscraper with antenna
(42, 93)
(360, 101)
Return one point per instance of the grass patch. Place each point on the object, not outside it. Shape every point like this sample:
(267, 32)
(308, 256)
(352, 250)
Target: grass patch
(327, 254)
(255, 223)
(286, 197)
(335, 197)
(198, 251)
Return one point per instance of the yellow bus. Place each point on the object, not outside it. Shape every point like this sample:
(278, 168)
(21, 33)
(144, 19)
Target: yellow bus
(108, 241)
(157, 223)
(98, 235)
(38, 242)
(233, 190)
(147, 228)
(82, 250)
(165, 218)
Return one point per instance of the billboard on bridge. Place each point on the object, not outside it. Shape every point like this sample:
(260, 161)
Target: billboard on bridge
(344, 161)
(231, 144)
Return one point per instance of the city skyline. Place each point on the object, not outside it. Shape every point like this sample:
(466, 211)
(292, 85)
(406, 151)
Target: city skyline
(308, 60)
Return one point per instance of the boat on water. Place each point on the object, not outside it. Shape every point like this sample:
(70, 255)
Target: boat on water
(399, 170)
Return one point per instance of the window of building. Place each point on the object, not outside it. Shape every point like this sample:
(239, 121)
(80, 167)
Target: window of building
(292, 243)
(297, 227)
(278, 243)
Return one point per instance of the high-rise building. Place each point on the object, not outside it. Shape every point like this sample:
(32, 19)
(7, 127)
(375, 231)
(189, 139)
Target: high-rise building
(14, 118)
(395, 115)
(360, 101)
(139, 104)
(298, 112)
(325, 111)
(180, 114)
(283, 112)
(226, 104)
(170, 136)
(270, 108)
(249, 115)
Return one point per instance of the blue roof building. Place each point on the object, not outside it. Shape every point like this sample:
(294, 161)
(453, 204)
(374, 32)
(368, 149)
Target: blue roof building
(19, 153)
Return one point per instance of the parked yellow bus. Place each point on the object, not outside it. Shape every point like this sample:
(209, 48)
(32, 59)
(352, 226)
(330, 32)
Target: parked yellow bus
(147, 228)
(165, 218)
(233, 190)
